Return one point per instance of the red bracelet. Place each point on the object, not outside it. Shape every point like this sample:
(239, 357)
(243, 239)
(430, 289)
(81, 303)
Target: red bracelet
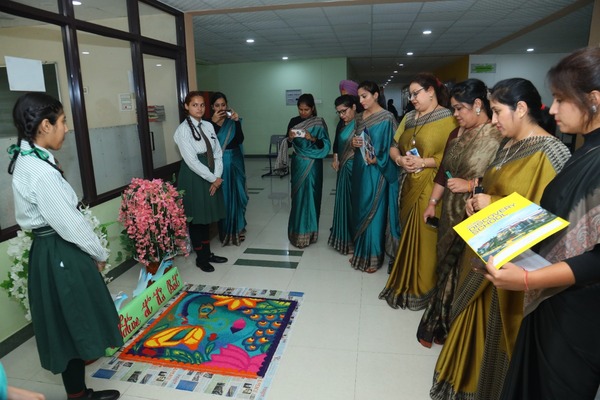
(525, 280)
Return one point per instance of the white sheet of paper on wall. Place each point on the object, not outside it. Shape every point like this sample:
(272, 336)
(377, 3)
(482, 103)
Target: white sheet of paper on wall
(25, 74)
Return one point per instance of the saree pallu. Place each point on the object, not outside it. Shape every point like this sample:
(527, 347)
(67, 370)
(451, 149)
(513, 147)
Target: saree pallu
(412, 277)
(340, 237)
(372, 188)
(235, 195)
(485, 320)
(539, 369)
(307, 183)
(465, 157)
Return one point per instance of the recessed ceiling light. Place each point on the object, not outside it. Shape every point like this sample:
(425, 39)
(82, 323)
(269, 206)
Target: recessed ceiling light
(249, 40)
(76, 3)
(410, 53)
(401, 65)
(159, 65)
(395, 72)
(85, 52)
(284, 58)
(427, 32)
(530, 49)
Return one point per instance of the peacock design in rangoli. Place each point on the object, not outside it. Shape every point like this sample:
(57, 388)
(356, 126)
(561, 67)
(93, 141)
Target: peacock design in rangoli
(217, 333)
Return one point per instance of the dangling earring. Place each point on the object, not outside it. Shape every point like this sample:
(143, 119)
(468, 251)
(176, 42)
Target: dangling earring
(594, 109)
(478, 111)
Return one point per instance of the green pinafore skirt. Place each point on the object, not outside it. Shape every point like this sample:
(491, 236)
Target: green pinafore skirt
(197, 201)
(72, 311)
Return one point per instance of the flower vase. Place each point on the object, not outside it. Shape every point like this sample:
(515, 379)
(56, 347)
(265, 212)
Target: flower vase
(152, 267)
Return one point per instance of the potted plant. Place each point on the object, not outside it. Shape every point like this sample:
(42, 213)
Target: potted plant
(154, 222)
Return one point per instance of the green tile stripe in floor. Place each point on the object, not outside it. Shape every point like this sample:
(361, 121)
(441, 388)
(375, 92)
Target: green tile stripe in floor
(274, 252)
(270, 263)
(266, 263)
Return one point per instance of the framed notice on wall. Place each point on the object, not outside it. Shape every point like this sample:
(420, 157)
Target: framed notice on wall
(291, 96)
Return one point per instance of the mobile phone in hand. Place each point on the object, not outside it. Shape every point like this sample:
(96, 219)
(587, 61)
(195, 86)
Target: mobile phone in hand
(434, 222)
(299, 133)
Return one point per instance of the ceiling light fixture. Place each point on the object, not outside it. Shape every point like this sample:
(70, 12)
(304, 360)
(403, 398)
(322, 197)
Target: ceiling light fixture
(284, 58)
(396, 72)
(249, 40)
(400, 65)
(427, 32)
(410, 53)
(76, 3)
(85, 52)
(530, 49)
(159, 65)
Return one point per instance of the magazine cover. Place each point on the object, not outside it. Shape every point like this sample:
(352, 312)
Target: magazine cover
(508, 227)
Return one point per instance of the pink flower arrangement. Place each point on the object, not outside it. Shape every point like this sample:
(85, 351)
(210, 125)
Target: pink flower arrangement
(154, 220)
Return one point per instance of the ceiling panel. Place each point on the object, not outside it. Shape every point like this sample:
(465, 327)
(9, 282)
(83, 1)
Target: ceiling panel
(376, 36)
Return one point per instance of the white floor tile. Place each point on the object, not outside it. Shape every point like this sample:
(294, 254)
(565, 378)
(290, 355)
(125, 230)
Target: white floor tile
(258, 277)
(331, 326)
(328, 286)
(385, 376)
(384, 329)
(315, 374)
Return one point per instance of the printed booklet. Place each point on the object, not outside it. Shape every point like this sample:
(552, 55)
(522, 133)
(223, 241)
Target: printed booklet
(508, 227)
(367, 146)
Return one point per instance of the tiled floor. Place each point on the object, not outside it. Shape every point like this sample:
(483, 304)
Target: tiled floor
(346, 344)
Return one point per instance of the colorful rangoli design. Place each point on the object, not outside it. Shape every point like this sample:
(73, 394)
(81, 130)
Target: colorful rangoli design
(222, 334)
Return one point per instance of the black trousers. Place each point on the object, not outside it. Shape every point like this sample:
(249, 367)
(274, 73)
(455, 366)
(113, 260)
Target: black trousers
(200, 237)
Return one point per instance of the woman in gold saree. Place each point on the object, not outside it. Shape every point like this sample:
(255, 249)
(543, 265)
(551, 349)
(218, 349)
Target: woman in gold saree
(485, 320)
(418, 148)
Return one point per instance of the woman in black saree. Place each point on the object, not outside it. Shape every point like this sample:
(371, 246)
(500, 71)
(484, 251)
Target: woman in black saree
(557, 354)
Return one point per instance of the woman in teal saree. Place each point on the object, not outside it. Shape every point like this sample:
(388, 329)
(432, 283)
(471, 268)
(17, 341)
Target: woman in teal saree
(228, 127)
(374, 182)
(308, 135)
(340, 237)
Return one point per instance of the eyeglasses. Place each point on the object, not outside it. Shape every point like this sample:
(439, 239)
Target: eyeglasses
(342, 112)
(415, 93)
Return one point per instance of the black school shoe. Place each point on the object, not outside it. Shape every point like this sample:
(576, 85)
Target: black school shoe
(100, 395)
(204, 266)
(216, 259)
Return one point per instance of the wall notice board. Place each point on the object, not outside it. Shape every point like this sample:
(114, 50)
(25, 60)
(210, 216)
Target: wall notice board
(8, 97)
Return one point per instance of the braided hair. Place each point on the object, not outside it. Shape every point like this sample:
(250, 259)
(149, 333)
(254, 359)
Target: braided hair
(30, 110)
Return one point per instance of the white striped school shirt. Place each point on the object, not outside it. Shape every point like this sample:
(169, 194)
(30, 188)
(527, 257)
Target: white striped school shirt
(190, 148)
(44, 198)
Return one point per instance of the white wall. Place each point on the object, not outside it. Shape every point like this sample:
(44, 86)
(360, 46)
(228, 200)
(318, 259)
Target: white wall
(529, 66)
(257, 92)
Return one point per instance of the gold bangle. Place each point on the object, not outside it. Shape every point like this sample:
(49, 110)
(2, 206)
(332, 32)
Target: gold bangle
(433, 200)
(423, 164)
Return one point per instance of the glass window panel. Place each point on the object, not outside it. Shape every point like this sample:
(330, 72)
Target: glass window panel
(163, 112)
(47, 5)
(110, 13)
(110, 109)
(30, 39)
(157, 24)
